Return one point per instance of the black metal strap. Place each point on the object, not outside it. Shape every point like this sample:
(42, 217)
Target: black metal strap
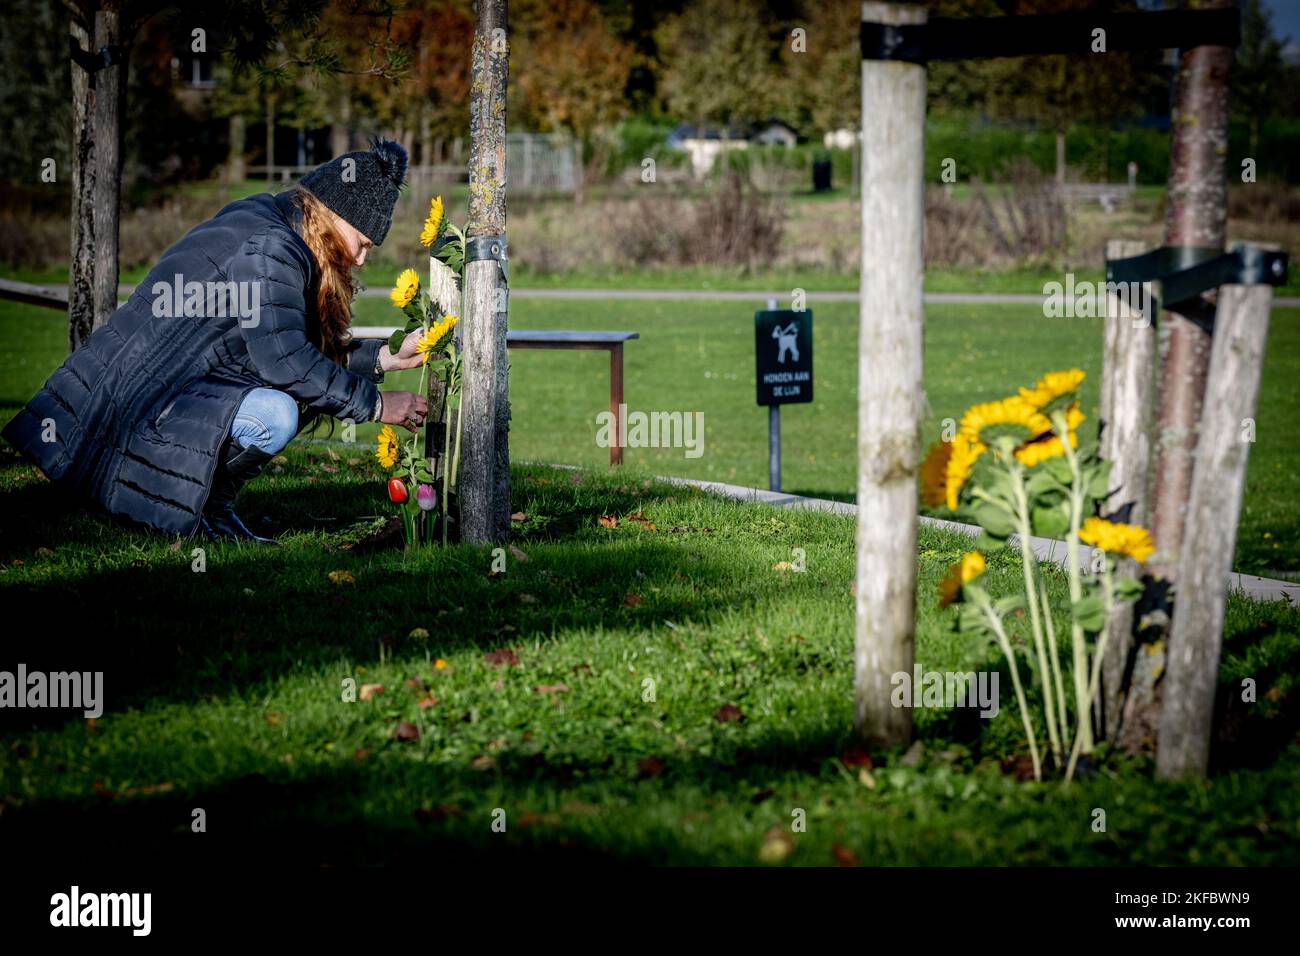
(487, 247)
(92, 63)
(973, 38)
(1185, 272)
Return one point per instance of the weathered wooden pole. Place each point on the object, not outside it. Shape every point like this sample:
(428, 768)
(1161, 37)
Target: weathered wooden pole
(1127, 397)
(1210, 535)
(110, 104)
(889, 380)
(81, 266)
(484, 478)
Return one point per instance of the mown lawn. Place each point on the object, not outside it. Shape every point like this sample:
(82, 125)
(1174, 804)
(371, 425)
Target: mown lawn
(699, 356)
(224, 693)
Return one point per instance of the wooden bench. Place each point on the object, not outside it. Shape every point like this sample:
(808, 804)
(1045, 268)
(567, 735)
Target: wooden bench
(611, 342)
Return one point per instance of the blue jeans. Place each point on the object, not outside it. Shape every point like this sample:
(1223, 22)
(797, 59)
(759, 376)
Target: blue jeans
(267, 419)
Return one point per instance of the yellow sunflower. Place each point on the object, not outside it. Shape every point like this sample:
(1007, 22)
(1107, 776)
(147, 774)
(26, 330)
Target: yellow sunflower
(387, 451)
(435, 339)
(1115, 538)
(433, 224)
(1049, 446)
(408, 283)
(964, 455)
(934, 474)
(986, 422)
(963, 572)
(1053, 386)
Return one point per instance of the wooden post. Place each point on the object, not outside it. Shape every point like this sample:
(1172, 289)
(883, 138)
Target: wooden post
(110, 103)
(889, 381)
(484, 476)
(1127, 397)
(81, 271)
(1210, 535)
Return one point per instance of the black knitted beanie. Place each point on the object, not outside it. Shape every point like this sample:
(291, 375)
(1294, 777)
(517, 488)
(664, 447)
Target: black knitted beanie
(362, 186)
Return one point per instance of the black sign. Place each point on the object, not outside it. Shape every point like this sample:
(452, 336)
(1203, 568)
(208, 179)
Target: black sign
(783, 354)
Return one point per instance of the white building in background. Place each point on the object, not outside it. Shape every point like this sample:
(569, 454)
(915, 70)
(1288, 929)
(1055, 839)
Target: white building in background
(705, 143)
(841, 138)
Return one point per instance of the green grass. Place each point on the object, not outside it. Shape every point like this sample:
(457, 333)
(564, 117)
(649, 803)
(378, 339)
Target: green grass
(698, 356)
(224, 693)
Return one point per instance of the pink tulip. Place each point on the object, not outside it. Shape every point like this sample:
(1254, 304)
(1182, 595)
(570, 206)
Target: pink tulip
(426, 497)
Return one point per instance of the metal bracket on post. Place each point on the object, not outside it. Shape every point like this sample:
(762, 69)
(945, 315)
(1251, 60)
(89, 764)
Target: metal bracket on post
(487, 247)
(1184, 272)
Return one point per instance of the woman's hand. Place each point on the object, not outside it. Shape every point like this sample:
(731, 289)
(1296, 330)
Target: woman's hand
(404, 408)
(406, 357)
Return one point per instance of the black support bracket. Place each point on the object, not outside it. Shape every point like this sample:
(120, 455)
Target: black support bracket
(1185, 272)
(487, 247)
(974, 38)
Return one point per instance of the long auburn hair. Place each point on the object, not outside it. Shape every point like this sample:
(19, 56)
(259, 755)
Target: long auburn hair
(335, 287)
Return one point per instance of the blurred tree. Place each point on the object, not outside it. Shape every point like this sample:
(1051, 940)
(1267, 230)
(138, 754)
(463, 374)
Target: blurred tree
(571, 73)
(721, 62)
(1258, 73)
(821, 89)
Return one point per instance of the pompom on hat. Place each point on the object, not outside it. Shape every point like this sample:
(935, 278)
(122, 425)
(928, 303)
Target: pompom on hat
(361, 187)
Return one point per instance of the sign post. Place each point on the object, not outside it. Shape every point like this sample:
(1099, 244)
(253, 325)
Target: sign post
(783, 357)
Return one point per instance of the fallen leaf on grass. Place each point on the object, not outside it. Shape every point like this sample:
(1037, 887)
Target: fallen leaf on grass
(360, 755)
(608, 521)
(777, 845)
(427, 702)
(642, 520)
(370, 690)
(342, 577)
(727, 713)
(553, 688)
(632, 600)
(273, 717)
(519, 516)
(866, 778)
(519, 555)
(440, 664)
(406, 732)
(434, 814)
(782, 566)
(419, 634)
(856, 757)
(483, 762)
(843, 855)
(501, 657)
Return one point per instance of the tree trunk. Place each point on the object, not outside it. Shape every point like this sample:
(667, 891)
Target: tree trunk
(270, 135)
(1197, 216)
(110, 103)
(485, 458)
(889, 382)
(81, 267)
(340, 134)
(238, 144)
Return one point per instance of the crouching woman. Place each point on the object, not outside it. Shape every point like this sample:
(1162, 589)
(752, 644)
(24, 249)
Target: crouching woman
(166, 412)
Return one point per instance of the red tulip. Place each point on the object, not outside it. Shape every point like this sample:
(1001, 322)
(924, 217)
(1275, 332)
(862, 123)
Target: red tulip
(396, 490)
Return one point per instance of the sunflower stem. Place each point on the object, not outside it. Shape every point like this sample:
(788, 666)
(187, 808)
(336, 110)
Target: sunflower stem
(1079, 651)
(1108, 601)
(1055, 658)
(996, 623)
(1027, 560)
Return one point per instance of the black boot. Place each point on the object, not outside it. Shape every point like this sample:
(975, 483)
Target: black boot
(238, 465)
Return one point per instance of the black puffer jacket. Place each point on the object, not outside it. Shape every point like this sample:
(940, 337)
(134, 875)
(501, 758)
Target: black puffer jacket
(135, 420)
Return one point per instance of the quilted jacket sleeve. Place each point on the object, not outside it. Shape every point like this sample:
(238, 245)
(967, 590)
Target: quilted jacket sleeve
(364, 355)
(276, 336)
